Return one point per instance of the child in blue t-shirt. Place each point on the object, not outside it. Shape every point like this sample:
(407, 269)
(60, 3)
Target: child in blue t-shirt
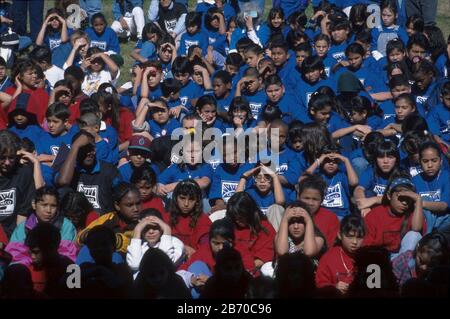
(54, 30)
(373, 181)
(57, 117)
(138, 153)
(388, 30)
(398, 85)
(285, 62)
(215, 28)
(24, 124)
(433, 185)
(340, 36)
(240, 115)
(266, 189)
(322, 45)
(207, 110)
(170, 89)
(404, 106)
(190, 91)
(424, 75)
(5, 81)
(250, 88)
(340, 181)
(222, 91)
(160, 124)
(438, 117)
(313, 77)
(145, 48)
(102, 36)
(276, 23)
(194, 34)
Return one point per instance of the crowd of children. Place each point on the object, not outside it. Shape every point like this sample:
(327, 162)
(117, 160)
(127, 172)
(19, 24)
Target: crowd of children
(354, 170)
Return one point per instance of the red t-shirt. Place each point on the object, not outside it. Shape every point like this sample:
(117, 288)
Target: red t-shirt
(156, 203)
(3, 236)
(125, 129)
(37, 102)
(39, 278)
(74, 108)
(328, 224)
(260, 247)
(383, 228)
(331, 268)
(192, 237)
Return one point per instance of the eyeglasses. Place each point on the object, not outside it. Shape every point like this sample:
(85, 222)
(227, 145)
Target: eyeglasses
(263, 178)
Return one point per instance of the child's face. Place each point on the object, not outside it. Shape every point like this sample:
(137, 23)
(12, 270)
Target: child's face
(182, 77)
(65, 97)
(423, 80)
(220, 88)
(54, 23)
(400, 89)
(355, 60)
(410, 29)
(153, 234)
(388, 17)
(280, 133)
(323, 115)
(166, 53)
(240, 113)
(186, 204)
(322, 48)
(37, 257)
(330, 166)
(208, 113)
(386, 163)
(297, 144)
(96, 65)
(129, 206)
(56, 126)
(422, 261)
(29, 78)
(20, 120)
(358, 117)
(232, 69)
(266, 68)
(416, 51)
(314, 76)
(277, 21)
(339, 35)
(403, 109)
(192, 154)
(99, 25)
(217, 243)
(446, 100)
(154, 77)
(165, 3)
(8, 161)
(40, 83)
(2, 72)
(296, 229)
(138, 157)
(198, 78)
(86, 155)
(366, 47)
(400, 204)
(274, 92)
(263, 183)
(300, 56)
(251, 59)
(279, 56)
(430, 162)
(396, 56)
(46, 208)
(192, 29)
(312, 198)
(145, 189)
(351, 242)
(252, 84)
(152, 37)
(161, 115)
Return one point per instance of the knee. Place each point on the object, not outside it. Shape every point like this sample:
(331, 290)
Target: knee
(411, 238)
(137, 11)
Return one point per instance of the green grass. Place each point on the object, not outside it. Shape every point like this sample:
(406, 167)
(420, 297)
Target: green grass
(443, 21)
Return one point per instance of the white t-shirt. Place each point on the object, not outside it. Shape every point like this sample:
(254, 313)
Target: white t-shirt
(53, 75)
(93, 80)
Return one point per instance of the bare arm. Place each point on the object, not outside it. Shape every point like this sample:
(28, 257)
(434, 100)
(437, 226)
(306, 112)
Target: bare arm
(141, 112)
(67, 171)
(203, 182)
(41, 35)
(64, 32)
(351, 174)
(135, 54)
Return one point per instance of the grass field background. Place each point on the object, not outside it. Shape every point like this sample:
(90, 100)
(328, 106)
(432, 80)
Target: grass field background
(443, 21)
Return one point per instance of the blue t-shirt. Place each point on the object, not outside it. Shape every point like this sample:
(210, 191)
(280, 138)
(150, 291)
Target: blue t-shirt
(382, 35)
(188, 92)
(217, 41)
(288, 73)
(256, 100)
(177, 173)
(337, 51)
(126, 170)
(33, 132)
(225, 181)
(49, 144)
(369, 78)
(337, 196)
(188, 40)
(157, 130)
(304, 90)
(53, 39)
(290, 107)
(388, 109)
(441, 66)
(107, 41)
(263, 201)
(422, 96)
(104, 152)
(6, 83)
(438, 120)
(223, 104)
(373, 184)
(329, 62)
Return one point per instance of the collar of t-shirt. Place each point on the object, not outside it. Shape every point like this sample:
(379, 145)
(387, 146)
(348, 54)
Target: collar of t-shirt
(96, 168)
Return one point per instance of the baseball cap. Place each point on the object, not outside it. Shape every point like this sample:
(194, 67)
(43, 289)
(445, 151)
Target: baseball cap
(139, 142)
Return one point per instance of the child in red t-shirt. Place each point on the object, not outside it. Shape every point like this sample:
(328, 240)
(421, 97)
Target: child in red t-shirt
(311, 191)
(337, 267)
(397, 223)
(186, 217)
(144, 179)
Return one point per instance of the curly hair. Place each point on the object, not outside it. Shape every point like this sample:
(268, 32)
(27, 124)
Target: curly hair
(190, 188)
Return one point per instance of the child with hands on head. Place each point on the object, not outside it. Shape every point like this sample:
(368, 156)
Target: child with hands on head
(54, 30)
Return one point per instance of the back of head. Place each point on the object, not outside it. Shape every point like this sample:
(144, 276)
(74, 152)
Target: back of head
(294, 274)
(101, 242)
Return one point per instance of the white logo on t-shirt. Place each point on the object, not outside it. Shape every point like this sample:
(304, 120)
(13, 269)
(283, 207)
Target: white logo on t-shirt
(379, 189)
(228, 190)
(7, 202)
(255, 107)
(54, 149)
(91, 193)
(432, 196)
(98, 44)
(333, 197)
(170, 25)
